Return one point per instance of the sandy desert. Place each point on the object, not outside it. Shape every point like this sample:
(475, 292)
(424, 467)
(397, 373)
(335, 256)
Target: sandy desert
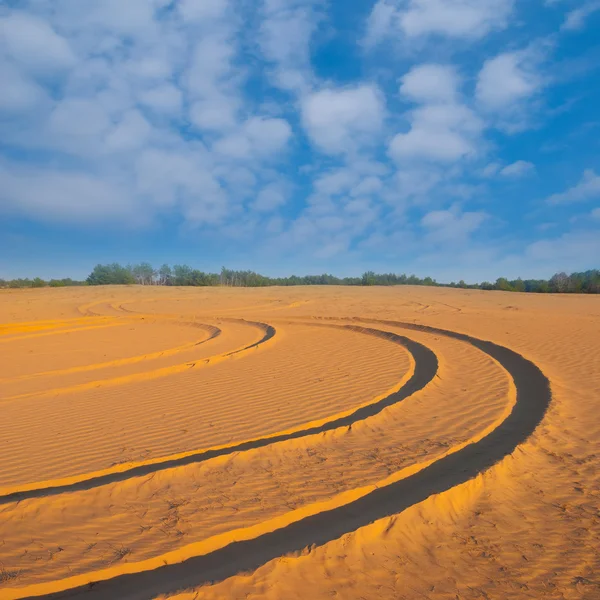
(309, 442)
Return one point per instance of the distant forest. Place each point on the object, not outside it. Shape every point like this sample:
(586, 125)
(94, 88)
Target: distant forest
(587, 282)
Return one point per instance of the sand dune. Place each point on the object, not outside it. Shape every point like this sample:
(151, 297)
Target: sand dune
(423, 442)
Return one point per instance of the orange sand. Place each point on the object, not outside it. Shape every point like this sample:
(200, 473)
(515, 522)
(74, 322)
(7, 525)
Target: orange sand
(98, 381)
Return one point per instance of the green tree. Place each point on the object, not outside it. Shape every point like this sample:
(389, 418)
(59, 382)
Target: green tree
(113, 274)
(518, 285)
(143, 273)
(181, 275)
(368, 278)
(559, 283)
(165, 275)
(503, 284)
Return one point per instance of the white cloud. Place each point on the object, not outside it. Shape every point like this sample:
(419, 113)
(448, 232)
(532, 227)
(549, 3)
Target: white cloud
(367, 187)
(439, 132)
(362, 207)
(519, 168)
(194, 11)
(257, 137)
(240, 182)
(443, 128)
(428, 144)
(215, 114)
(571, 251)
(335, 182)
(134, 18)
(126, 102)
(457, 18)
(268, 136)
(344, 204)
(284, 39)
(151, 68)
(65, 196)
(20, 93)
(211, 80)
(211, 84)
(78, 118)
(587, 189)
(234, 146)
(341, 120)
(470, 19)
(163, 98)
(34, 44)
(448, 116)
(161, 175)
(381, 22)
(490, 169)
(576, 18)
(211, 64)
(595, 214)
(130, 133)
(182, 180)
(431, 83)
(417, 181)
(507, 79)
(270, 198)
(449, 226)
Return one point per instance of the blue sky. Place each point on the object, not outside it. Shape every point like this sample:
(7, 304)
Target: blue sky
(453, 138)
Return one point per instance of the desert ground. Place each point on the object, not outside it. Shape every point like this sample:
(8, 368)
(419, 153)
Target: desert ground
(304, 442)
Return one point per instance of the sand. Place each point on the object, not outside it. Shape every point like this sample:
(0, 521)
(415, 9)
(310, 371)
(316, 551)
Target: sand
(349, 442)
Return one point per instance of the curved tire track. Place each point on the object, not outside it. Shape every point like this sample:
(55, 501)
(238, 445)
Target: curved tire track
(269, 333)
(212, 331)
(426, 366)
(79, 482)
(533, 399)
(50, 332)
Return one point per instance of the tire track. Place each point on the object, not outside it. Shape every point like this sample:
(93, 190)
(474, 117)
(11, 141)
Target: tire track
(210, 329)
(269, 334)
(33, 326)
(50, 332)
(425, 368)
(271, 306)
(533, 397)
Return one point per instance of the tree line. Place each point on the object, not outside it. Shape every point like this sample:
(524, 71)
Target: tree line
(586, 282)
(38, 282)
